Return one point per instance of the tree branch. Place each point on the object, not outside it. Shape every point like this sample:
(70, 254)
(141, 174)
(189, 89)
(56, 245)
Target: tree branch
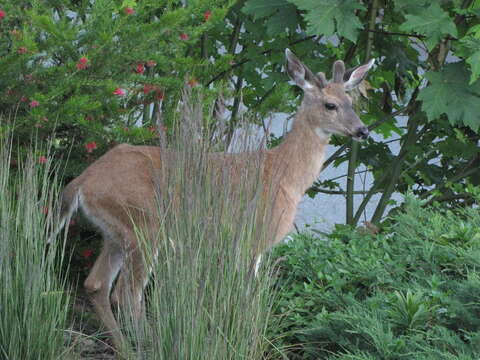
(244, 61)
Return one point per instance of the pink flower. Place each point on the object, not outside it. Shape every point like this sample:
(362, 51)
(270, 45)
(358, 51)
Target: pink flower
(140, 69)
(184, 36)
(34, 103)
(207, 14)
(45, 210)
(23, 99)
(129, 11)
(42, 159)
(119, 92)
(90, 146)
(82, 63)
(2, 14)
(22, 50)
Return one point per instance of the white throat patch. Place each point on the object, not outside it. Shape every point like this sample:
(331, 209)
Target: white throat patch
(322, 133)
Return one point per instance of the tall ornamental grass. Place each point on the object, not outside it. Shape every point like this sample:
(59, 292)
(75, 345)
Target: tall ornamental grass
(33, 300)
(204, 301)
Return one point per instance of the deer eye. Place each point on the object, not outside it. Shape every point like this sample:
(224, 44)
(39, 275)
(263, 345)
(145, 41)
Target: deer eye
(330, 106)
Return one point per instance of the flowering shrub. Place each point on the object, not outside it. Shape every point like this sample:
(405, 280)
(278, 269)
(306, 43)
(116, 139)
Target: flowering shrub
(90, 70)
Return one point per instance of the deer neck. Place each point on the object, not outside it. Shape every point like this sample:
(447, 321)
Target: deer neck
(299, 158)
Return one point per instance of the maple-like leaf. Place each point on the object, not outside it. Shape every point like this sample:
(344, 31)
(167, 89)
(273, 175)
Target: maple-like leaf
(281, 14)
(261, 8)
(325, 16)
(285, 17)
(450, 93)
(471, 52)
(433, 22)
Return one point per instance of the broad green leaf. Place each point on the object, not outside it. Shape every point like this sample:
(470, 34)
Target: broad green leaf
(449, 93)
(474, 62)
(433, 22)
(282, 15)
(285, 17)
(261, 8)
(471, 52)
(324, 16)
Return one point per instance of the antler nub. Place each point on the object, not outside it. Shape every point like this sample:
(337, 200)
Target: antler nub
(338, 71)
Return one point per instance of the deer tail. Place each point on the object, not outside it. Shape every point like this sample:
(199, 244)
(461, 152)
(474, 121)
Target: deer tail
(69, 203)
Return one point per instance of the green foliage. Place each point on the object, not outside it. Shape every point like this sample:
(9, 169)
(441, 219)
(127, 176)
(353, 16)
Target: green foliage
(327, 17)
(448, 93)
(410, 293)
(62, 62)
(432, 21)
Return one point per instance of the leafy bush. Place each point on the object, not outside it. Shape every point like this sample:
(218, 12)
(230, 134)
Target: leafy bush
(410, 293)
(96, 71)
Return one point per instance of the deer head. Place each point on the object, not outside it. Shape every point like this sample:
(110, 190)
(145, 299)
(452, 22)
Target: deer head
(326, 105)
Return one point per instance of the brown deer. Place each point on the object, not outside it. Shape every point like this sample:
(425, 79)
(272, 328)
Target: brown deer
(117, 189)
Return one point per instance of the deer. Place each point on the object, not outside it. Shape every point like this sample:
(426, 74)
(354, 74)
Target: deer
(117, 189)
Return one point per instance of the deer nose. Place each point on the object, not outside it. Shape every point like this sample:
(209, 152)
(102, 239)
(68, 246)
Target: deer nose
(362, 132)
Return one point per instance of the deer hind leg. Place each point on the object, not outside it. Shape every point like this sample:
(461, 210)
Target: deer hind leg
(128, 291)
(98, 285)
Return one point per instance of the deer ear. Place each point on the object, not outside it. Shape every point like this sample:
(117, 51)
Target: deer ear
(297, 71)
(357, 75)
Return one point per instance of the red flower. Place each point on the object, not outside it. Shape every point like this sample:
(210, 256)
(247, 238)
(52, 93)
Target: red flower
(151, 63)
(159, 95)
(23, 99)
(87, 253)
(83, 60)
(34, 103)
(140, 69)
(81, 66)
(45, 210)
(147, 88)
(207, 14)
(119, 92)
(22, 50)
(90, 146)
(129, 11)
(192, 82)
(2, 14)
(184, 36)
(42, 159)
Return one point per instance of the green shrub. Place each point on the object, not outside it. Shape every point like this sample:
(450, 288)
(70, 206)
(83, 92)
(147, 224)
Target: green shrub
(95, 71)
(411, 292)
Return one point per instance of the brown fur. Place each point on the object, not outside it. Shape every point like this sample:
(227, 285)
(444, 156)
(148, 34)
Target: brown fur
(119, 188)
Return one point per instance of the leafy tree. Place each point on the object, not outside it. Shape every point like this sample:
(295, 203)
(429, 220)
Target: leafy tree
(427, 73)
(99, 71)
